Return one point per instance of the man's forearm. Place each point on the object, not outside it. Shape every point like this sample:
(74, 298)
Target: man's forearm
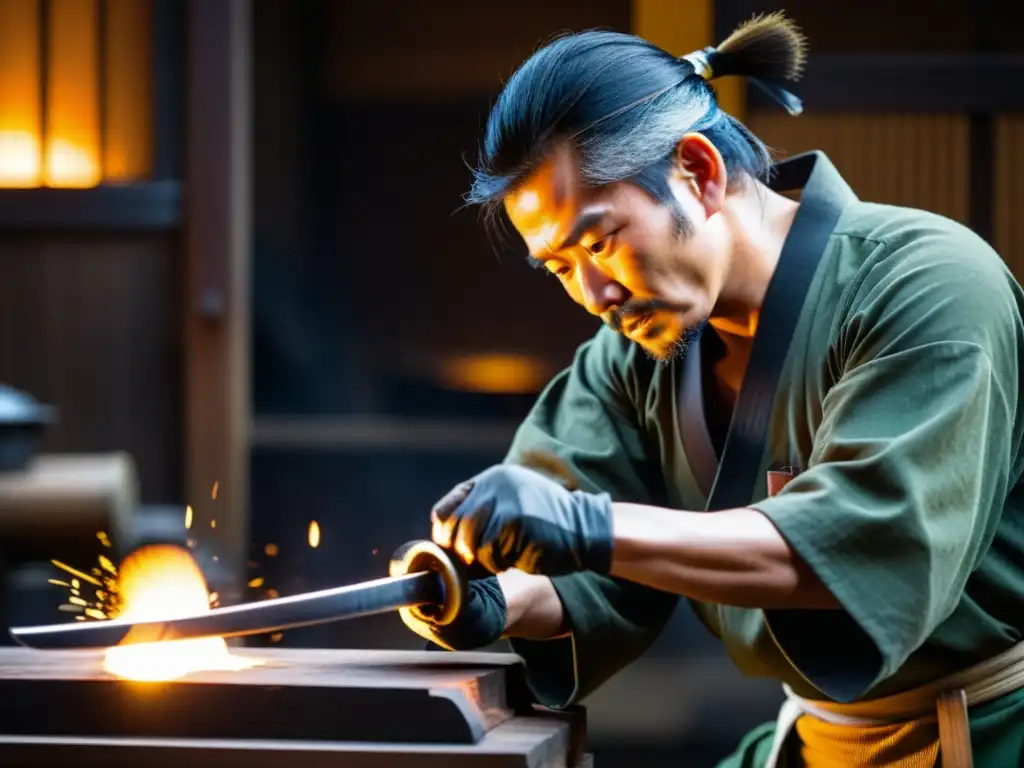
(534, 608)
(733, 557)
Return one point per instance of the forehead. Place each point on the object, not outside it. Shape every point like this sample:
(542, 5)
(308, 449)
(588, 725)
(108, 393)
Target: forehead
(546, 202)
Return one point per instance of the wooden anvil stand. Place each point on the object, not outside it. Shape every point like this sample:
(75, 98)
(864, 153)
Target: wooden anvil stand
(309, 708)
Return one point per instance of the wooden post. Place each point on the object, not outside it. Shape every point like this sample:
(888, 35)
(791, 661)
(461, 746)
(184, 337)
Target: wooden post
(681, 27)
(217, 255)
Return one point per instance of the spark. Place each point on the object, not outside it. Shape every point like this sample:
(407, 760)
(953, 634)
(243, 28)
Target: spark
(76, 572)
(188, 516)
(314, 534)
(213, 491)
(102, 536)
(213, 523)
(105, 600)
(276, 637)
(258, 582)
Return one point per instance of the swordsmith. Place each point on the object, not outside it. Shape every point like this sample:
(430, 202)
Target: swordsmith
(423, 579)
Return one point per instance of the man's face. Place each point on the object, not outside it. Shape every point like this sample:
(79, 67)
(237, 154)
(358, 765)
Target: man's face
(618, 253)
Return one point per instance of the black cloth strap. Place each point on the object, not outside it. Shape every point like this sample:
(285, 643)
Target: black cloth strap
(825, 196)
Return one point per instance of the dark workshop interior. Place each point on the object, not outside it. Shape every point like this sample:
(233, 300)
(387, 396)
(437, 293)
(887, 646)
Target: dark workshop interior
(234, 265)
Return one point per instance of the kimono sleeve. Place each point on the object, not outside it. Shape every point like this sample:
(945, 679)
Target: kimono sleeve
(911, 463)
(586, 425)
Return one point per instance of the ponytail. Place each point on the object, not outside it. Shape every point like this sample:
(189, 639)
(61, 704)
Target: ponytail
(768, 50)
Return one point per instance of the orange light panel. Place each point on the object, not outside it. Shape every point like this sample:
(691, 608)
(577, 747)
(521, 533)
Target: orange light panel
(20, 113)
(72, 146)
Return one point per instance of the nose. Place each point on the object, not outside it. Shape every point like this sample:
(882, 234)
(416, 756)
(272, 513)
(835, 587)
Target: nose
(599, 293)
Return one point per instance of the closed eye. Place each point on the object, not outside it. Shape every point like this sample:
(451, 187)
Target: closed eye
(603, 245)
(549, 267)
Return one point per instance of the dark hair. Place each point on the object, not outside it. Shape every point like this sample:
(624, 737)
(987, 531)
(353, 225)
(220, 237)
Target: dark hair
(624, 104)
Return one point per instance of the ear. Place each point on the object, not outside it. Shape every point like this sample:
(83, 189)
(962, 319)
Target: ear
(702, 166)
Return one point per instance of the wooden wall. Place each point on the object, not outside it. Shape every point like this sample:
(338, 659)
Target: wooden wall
(1009, 194)
(435, 49)
(916, 160)
(89, 323)
(913, 160)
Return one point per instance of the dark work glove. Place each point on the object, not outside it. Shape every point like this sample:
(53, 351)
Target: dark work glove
(513, 517)
(480, 622)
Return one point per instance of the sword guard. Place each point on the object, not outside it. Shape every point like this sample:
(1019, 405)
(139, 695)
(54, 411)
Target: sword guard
(422, 555)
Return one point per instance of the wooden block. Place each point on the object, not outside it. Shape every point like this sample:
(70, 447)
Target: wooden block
(392, 697)
(528, 742)
(576, 717)
(63, 500)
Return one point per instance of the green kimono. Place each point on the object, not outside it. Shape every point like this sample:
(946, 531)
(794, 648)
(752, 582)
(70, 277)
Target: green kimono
(898, 408)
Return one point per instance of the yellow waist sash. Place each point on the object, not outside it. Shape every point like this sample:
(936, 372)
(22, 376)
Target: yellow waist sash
(905, 730)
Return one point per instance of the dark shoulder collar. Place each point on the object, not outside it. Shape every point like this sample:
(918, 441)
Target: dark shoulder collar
(825, 195)
(823, 187)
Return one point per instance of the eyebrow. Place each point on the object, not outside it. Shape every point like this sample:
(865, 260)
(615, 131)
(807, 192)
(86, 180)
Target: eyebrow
(588, 220)
(585, 222)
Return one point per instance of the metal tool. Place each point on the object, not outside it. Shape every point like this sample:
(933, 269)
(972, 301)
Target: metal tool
(422, 578)
(23, 420)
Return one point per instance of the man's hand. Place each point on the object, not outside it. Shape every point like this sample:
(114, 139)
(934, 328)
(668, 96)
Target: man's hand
(512, 517)
(480, 622)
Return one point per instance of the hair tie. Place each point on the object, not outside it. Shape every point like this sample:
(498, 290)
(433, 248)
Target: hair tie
(701, 61)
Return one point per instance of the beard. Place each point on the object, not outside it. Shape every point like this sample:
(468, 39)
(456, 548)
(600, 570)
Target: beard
(677, 348)
(667, 352)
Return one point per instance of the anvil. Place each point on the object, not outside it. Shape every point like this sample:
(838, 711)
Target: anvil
(309, 707)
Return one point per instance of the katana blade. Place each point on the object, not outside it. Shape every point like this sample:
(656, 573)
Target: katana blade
(266, 616)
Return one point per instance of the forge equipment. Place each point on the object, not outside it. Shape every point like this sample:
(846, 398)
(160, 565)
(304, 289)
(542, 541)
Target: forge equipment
(316, 708)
